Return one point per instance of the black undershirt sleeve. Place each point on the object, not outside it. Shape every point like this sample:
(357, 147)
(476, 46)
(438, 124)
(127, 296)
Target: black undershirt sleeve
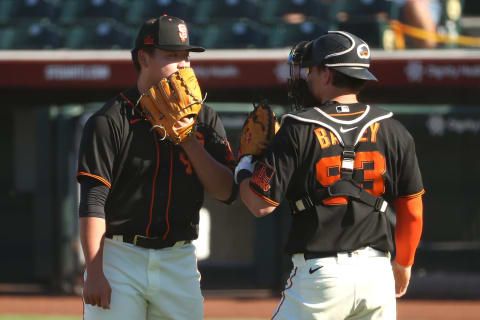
(93, 195)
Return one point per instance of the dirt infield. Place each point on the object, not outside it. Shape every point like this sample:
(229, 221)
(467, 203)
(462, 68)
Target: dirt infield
(243, 308)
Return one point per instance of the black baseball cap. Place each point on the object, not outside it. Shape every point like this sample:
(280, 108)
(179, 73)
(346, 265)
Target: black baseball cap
(167, 33)
(343, 52)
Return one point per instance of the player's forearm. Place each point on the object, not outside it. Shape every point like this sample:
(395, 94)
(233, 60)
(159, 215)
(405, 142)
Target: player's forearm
(92, 233)
(216, 178)
(257, 206)
(408, 229)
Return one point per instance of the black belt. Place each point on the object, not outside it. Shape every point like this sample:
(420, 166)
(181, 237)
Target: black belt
(318, 255)
(147, 242)
(367, 252)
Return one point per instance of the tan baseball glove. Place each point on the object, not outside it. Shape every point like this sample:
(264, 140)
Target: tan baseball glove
(258, 130)
(172, 105)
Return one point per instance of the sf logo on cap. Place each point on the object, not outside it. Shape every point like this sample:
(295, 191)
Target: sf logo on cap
(148, 39)
(363, 51)
(182, 32)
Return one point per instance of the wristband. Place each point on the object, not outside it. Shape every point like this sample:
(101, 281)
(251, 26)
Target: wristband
(244, 168)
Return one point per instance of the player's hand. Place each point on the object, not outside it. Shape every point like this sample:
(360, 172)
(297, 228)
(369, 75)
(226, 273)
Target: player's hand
(97, 290)
(172, 105)
(402, 278)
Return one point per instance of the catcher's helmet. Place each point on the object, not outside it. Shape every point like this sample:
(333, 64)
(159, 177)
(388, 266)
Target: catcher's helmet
(338, 50)
(343, 52)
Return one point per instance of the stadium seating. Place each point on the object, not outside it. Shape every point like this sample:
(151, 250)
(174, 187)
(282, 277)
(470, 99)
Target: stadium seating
(8, 9)
(367, 19)
(31, 34)
(376, 33)
(345, 10)
(288, 34)
(140, 10)
(235, 33)
(72, 11)
(206, 11)
(274, 9)
(212, 23)
(99, 34)
(37, 9)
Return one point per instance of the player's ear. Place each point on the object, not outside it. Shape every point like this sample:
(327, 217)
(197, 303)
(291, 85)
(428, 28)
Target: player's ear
(143, 58)
(327, 74)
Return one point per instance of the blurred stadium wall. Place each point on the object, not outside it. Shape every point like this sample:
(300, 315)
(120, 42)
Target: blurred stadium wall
(48, 95)
(76, 57)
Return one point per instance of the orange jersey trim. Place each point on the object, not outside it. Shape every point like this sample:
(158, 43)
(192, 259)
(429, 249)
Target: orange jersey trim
(152, 201)
(410, 196)
(267, 200)
(408, 229)
(103, 180)
(135, 121)
(128, 100)
(345, 114)
(169, 194)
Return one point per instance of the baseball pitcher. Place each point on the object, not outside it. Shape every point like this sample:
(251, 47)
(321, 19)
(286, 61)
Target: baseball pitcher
(145, 160)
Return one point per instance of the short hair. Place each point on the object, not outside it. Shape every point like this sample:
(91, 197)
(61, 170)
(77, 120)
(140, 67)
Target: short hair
(341, 80)
(148, 50)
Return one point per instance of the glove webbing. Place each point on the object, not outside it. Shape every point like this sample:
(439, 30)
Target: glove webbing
(188, 92)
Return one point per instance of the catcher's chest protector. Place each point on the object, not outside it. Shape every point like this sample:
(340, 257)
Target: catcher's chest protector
(348, 133)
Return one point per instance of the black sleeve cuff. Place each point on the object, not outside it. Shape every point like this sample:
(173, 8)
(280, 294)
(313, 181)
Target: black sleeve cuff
(233, 195)
(93, 196)
(242, 175)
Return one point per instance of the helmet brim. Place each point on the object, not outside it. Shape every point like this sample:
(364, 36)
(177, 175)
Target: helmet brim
(356, 72)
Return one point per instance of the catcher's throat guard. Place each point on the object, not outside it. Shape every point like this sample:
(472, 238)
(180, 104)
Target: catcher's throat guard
(172, 105)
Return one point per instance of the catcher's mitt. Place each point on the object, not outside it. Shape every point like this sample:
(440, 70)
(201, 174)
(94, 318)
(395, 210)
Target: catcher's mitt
(172, 105)
(258, 130)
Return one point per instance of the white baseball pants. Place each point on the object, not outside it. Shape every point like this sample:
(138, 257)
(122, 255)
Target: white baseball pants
(359, 285)
(150, 284)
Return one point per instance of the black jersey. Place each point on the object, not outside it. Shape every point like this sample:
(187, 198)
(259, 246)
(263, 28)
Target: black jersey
(305, 158)
(154, 190)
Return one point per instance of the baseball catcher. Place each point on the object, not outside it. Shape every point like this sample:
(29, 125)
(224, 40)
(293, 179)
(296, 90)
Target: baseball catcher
(340, 164)
(257, 132)
(172, 105)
